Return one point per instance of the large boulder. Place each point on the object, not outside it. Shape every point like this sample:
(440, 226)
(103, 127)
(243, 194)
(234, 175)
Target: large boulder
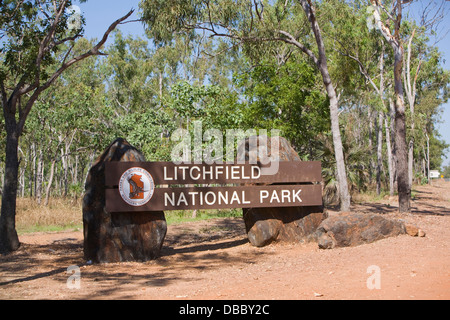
(120, 236)
(290, 224)
(351, 229)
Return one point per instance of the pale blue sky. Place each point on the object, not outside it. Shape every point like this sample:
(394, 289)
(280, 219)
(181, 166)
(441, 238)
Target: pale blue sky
(100, 14)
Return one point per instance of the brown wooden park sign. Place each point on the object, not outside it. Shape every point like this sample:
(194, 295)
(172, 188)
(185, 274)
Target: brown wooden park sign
(144, 186)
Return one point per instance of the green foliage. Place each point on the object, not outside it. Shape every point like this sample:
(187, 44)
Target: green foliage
(286, 97)
(147, 131)
(126, 70)
(215, 106)
(446, 172)
(24, 26)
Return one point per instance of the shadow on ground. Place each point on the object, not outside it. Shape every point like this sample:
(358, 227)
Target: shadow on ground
(201, 244)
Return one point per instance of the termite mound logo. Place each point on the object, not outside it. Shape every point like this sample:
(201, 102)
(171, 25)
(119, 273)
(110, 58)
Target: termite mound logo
(136, 186)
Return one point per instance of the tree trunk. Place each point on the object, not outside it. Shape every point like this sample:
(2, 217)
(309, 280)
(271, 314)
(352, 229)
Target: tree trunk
(404, 190)
(338, 150)
(428, 158)
(2, 176)
(39, 177)
(371, 165)
(50, 181)
(34, 171)
(64, 170)
(321, 63)
(75, 174)
(390, 160)
(379, 150)
(30, 172)
(410, 87)
(410, 161)
(394, 148)
(160, 86)
(9, 241)
(424, 167)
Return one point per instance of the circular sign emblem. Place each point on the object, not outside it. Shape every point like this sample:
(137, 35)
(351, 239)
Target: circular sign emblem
(136, 186)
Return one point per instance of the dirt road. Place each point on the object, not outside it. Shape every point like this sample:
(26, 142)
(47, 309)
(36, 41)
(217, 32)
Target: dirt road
(213, 260)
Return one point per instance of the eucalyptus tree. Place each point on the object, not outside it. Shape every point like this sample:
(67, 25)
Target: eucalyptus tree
(417, 45)
(363, 63)
(426, 88)
(387, 17)
(252, 24)
(34, 32)
(433, 84)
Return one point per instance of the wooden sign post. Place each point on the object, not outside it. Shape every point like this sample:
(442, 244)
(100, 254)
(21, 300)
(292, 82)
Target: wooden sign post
(136, 186)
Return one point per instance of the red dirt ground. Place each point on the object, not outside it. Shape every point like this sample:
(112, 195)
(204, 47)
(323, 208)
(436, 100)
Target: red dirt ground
(213, 260)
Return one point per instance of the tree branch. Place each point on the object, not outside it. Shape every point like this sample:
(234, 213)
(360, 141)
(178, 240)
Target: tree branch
(93, 51)
(44, 46)
(290, 39)
(383, 29)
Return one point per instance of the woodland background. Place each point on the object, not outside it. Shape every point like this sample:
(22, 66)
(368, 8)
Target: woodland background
(143, 89)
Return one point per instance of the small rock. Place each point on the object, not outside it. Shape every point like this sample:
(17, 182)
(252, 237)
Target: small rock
(318, 294)
(412, 230)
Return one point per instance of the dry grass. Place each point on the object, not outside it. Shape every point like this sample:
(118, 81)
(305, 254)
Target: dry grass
(58, 215)
(62, 214)
(370, 197)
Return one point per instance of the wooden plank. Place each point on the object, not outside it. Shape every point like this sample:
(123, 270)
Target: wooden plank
(169, 173)
(220, 197)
